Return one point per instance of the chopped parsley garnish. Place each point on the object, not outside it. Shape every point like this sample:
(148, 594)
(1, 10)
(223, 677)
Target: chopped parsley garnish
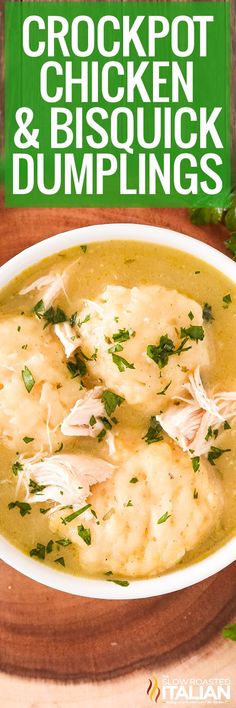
(211, 433)
(195, 332)
(44, 511)
(195, 494)
(92, 421)
(54, 315)
(227, 299)
(161, 352)
(85, 534)
(207, 313)
(84, 247)
(27, 440)
(108, 572)
(73, 516)
(195, 463)
(154, 433)
(122, 583)
(123, 335)
(81, 322)
(36, 488)
(60, 561)
(129, 503)
(39, 309)
(76, 367)
(93, 357)
(191, 315)
(230, 632)
(23, 507)
(106, 422)
(111, 401)
(17, 467)
(164, 518)
(121, 362)
(215, 453)
(101, 435)
(133, 480)
(162, 393)
(39, 551)
(227, 426)
(28, 379)
(59, 448)
(49, 546)
(63, 542)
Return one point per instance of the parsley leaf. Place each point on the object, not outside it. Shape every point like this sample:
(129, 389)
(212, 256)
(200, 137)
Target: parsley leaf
(195, 463)
(230, 632)
(17, 467)
(39, 551)
(163, 518)
(215, 453)
(111, 400)
(161, 352)
(133, 480)
(195, 332)
(76, 367)
(60, 561)
(123, 335)
(49, 546)
(121, 362)
(39, 309)
(27, 440)
(63, 542)
(122, 583)
(85, 534)
(154, 433)
(54, 315)
(207, 313)
(23, 507)
(84, 247)
(162, 393)
(28, 379)
(36, 488)
(73, 516)
(227, 299)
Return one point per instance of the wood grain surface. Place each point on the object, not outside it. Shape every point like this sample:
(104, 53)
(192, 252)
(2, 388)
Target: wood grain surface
(52, 635)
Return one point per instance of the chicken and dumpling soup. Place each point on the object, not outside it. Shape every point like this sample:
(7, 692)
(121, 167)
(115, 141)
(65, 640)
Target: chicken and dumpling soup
(118, 410)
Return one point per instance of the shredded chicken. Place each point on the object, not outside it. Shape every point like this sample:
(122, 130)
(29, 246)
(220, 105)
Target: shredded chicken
(80, 419)
(52, 284)
(65, 479)
(68, 337)
(189, 422)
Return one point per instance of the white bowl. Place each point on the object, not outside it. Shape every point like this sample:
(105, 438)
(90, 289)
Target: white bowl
(176, 579)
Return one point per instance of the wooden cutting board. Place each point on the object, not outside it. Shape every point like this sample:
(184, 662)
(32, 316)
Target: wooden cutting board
(48, 634)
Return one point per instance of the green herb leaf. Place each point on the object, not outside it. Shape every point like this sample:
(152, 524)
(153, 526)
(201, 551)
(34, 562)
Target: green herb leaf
(195, 494)
(195, 463)
(227, 426)
(164, 518)
(194, 332)
(60, 561)
(27, 440)
(133, 480)
(28, 379)
(230, 632)
(85, 534)
(36, 488)
(49, 546)
(121, 362)
(76, 367)
(84, 248)
(154, 433)
(207, 313)
(17, 467)
(123, 335)
(39, 309)
(54, 315)
(215, 453)
(63, 542)
(92, 421)
(73, 516)
(162, 393)
(23, 507)
(39, 551)
(227, 299)
(161, 352)
(101, 435)
(122, 583)
(111, 401)
(191, 315)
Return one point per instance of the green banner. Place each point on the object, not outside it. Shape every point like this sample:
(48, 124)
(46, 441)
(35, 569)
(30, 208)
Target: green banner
(111, 104)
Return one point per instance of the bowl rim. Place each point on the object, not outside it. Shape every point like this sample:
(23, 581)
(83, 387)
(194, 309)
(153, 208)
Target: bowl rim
(88, 586)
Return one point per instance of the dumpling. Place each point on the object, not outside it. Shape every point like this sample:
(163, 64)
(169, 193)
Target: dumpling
(145, 526)
(123, 322)
(38, 413)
